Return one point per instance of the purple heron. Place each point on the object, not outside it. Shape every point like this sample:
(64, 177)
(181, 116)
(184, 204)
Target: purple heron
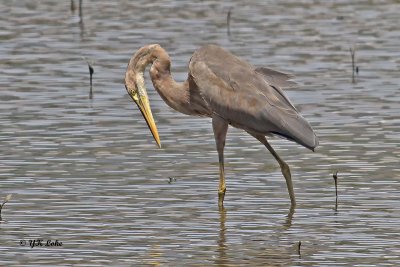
(228, 90)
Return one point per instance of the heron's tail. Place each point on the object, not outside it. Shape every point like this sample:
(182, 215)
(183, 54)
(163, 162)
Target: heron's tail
(299, 131)
(310, 144)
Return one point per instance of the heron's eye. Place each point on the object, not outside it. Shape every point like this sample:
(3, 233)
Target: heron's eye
(134, 95)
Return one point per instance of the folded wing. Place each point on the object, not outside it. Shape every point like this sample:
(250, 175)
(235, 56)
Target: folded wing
(247, 97)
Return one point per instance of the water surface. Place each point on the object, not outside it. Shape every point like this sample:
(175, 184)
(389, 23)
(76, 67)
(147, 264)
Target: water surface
(86, 171)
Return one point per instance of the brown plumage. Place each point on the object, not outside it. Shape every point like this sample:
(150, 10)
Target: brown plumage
(227, 89)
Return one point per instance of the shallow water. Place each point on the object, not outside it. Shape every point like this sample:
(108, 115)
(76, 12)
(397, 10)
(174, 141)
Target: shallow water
(87, 173)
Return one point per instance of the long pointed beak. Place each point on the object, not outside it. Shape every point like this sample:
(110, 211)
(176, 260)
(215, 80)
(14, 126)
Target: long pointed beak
(144, 106)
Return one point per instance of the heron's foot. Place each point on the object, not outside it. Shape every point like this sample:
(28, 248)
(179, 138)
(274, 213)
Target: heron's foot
(221, 196)
(288, 177)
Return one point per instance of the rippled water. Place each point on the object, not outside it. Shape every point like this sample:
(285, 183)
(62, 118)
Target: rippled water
(87, 173)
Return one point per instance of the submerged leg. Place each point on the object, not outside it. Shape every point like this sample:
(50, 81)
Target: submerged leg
(284, 167)
(220, 127)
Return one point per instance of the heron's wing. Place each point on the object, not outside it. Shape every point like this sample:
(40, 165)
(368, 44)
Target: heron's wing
(277, 78)
(234, 90)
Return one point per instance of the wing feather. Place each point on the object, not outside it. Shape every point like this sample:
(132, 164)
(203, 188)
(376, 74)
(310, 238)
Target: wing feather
(277, 78)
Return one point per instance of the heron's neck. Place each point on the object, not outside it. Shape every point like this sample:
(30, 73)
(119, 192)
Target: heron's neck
(173, 93)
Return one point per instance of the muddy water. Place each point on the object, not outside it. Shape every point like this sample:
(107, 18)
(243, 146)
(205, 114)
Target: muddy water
(87, 173)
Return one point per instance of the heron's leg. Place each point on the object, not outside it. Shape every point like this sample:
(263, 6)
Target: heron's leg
(220, 127)
(284, 167)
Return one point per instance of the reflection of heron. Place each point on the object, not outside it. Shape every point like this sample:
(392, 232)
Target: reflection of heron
(227, 89)
(222, 259)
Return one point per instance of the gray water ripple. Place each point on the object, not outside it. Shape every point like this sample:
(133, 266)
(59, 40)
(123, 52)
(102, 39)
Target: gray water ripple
(88, 173)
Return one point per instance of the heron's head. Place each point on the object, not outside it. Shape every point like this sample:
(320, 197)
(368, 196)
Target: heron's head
(134, 84)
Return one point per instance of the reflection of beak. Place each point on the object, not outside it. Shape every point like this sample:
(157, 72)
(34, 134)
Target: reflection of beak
(144, 106)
